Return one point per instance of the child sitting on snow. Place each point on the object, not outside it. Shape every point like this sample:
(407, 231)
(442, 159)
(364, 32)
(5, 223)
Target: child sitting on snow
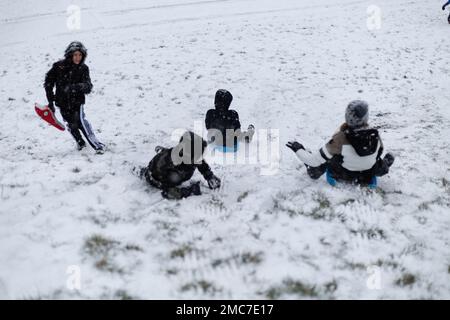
(224, 128)
(353, 154)
(171, 167)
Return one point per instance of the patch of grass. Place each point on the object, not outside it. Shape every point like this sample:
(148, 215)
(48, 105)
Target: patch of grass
(242, 196)
(323, 201)
(182, 252)
(356, 266)
(123, 295)
(251, 258)
(407, 279)
(98, 245)
(201, 285)
(168, 227)
(381, 263)
(172, 272)
(331, 286)
(291, 287)
(133, 247)
(371, 233)
(246, 258)
(103, 250)
(106, 264)
(348, 201)
(426, 205)
(323, 210)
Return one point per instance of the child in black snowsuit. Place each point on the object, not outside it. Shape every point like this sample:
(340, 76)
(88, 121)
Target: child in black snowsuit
(71, 78)
(353, 154)
(174, 166)
(223, 125)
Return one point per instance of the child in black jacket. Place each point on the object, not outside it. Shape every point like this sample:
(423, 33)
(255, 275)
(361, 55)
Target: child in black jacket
(223, 125)
(71, 78)
(171, 167)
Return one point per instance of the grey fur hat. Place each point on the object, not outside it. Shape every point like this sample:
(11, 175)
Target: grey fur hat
(357, 114)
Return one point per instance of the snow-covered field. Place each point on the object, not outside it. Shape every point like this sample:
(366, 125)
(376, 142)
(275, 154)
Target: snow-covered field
(291, 65)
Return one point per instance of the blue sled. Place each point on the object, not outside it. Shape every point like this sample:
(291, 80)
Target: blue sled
(332, 181)
(226, 149)
(373, 183)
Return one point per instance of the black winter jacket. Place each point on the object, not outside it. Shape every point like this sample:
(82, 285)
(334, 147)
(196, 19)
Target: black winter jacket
(72, 82)
(165, 172)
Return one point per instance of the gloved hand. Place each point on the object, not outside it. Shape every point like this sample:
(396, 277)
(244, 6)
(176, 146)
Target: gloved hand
(250, 133)
(214, 182)
(158, 149)
(294, 146)
(443, 7)
(389, 159)
(51, 106)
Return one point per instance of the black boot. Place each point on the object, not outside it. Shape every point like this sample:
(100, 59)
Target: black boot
(81, 145)
(176, 193)
(316, 172)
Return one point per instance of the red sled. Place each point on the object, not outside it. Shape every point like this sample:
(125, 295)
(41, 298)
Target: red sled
(48, 116)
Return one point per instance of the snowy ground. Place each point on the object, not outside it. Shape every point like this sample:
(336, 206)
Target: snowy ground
(292, 65)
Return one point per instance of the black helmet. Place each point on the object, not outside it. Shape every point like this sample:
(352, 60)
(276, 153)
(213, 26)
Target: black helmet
(223, 99)
(73, 47)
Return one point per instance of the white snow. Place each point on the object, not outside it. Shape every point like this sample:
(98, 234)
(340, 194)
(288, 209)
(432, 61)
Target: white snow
(291, 65)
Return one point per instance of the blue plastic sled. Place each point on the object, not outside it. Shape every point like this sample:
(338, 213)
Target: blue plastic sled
(226, 149)
(332, 181)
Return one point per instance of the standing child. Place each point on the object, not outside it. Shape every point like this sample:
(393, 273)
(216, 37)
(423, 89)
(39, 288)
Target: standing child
(71, 78)
(353, 154)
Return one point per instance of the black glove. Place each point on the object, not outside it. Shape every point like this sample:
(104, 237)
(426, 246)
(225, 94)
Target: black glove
(443, 7)
(51, 106)
(214, 182)
(389, 159)
(158, 149)
(249, 134)
(294, 146)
